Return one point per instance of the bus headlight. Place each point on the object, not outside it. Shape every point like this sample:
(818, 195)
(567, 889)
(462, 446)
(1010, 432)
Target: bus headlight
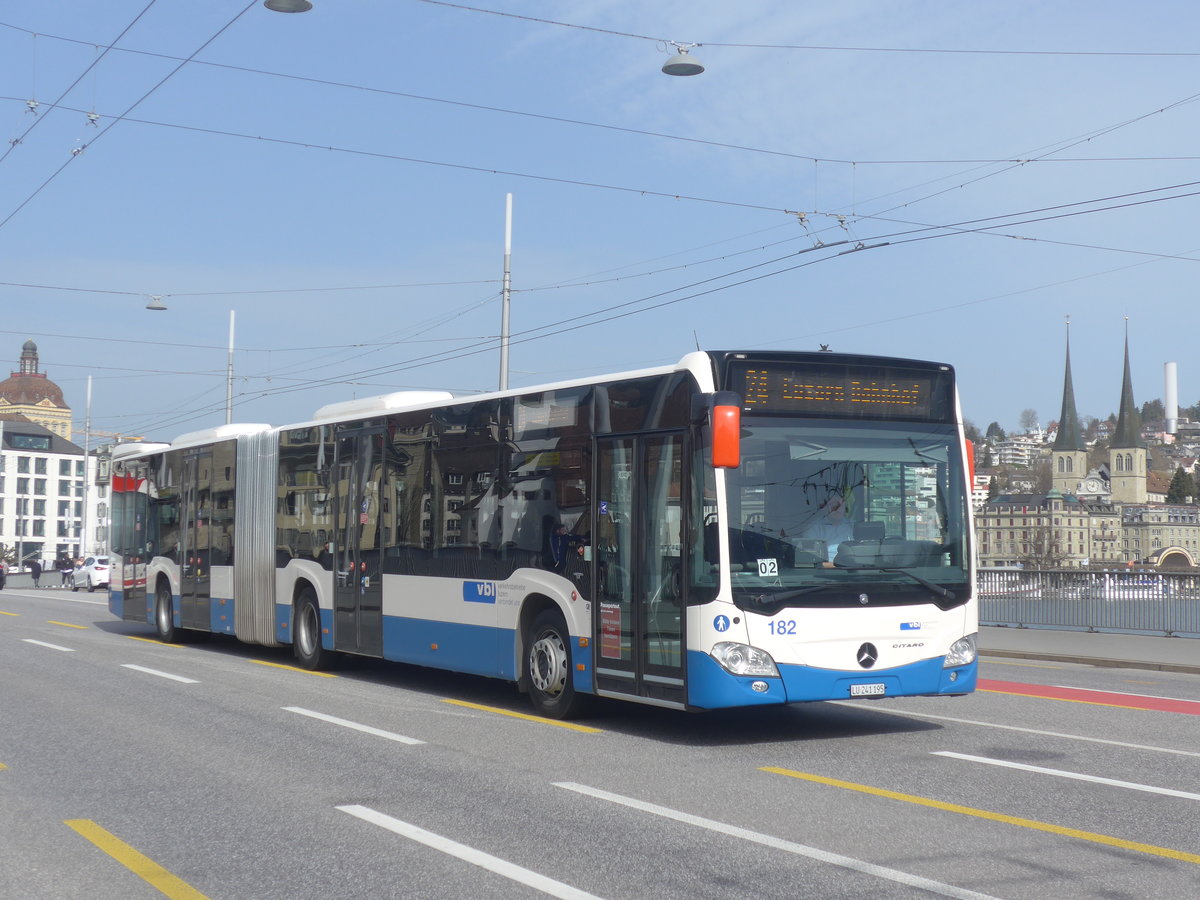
(742, 659)
(961, 652)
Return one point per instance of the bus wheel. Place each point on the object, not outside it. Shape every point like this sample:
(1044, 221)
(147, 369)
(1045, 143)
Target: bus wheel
(548, 660)
(306, 636)
(164, 614)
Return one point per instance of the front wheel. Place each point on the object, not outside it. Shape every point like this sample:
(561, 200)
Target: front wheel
(306, 634)
(548, 663)
(164, 614)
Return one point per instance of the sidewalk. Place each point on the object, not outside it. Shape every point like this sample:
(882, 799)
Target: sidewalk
(1125, 651)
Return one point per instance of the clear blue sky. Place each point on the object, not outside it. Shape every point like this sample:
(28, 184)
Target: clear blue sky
(338, 179)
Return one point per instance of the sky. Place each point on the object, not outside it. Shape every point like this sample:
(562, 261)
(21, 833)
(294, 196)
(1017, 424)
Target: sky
(921, 179)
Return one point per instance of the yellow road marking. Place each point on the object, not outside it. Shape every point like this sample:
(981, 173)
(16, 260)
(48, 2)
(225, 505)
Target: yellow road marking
(992, 816)
(134, 637)
(529, 718)
(3, 767)
(66, 624)
(263, 662)
(3, 613)
(1060, 699)
(142, 866)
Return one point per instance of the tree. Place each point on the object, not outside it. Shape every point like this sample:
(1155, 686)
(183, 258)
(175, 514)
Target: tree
(988, 460)
(1153, 411)
(1091, 427)
(1029, 420)
(972, 432)
(996, 433)
(1043, 550)
(1182, 489)
(1043, 476)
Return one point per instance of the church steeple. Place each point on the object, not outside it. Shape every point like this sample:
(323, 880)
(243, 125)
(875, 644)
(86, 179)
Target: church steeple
(1070, 435)
(1129, 423)
(1068, 456)
(1127, 452)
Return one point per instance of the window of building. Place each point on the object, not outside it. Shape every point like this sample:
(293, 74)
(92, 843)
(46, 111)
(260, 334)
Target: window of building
(39, 485)
(39, 465)
(64, 467)
(22, 485)
(23, 464)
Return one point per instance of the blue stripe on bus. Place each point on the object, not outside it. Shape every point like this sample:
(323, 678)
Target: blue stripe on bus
(927, 677)
(116, 603)
(711, 687)
(221, 615)
(477, 649)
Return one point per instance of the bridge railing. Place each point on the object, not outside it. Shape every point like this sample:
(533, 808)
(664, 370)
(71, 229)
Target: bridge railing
(1132, 602)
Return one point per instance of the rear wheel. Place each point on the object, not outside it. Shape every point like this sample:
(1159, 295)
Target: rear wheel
(548, 664)
(306, 633)
(164, 614)
(91, 587)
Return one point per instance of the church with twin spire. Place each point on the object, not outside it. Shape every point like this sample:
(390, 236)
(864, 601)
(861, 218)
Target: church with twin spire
(1092, 517)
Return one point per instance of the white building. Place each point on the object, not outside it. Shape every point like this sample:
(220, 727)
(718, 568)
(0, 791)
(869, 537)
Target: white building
(45, 485)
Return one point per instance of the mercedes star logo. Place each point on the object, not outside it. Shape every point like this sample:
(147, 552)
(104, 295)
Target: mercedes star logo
(867, 654)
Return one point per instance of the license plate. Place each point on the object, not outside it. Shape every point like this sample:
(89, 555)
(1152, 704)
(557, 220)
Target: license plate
(868, 690)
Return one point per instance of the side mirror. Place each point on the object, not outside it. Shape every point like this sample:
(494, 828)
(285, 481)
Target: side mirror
(726, 430)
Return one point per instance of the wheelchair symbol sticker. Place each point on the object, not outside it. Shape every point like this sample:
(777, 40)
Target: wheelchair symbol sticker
(721, 623)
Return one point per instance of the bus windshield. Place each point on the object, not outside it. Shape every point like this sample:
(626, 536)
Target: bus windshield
(825, 513)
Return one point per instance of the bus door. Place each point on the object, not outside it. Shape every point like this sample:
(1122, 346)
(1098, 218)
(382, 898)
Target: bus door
(195, 577)
(638, 534)
(358, 540)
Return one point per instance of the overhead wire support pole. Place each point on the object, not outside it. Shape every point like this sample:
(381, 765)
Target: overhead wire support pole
(229, 376)
(506, 292)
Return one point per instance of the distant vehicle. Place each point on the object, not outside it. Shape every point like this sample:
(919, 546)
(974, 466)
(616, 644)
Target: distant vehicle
(92, 574)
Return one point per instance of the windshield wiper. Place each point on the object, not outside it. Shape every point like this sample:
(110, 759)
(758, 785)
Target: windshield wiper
(945, 593)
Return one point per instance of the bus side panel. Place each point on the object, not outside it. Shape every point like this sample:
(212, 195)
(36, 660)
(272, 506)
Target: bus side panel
(446, 623)
(220, 602)
(285, 583)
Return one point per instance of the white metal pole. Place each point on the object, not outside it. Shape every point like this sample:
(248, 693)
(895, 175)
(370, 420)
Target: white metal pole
(82, 550)
(506, 292)
(229, 376)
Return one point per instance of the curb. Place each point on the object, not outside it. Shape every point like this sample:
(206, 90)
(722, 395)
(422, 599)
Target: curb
(1099, 662)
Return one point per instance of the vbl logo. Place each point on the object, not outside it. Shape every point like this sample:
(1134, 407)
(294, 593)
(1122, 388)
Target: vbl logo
(479, 591)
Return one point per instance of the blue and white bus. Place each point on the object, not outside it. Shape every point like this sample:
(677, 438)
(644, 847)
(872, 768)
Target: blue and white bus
(740, 528)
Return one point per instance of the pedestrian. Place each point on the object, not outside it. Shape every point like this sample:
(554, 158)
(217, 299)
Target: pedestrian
(35, 569)
(65, 568)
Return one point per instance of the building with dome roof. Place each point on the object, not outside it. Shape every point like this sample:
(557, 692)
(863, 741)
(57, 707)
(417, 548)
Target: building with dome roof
(28, 393)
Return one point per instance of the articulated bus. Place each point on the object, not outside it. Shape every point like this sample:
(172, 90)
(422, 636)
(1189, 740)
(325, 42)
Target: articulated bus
(741, 528)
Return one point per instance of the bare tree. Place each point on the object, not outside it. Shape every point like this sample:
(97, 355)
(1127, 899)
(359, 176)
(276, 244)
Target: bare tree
(1029, 420)
(1043, 550)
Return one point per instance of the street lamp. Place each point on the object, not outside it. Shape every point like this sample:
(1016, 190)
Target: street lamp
(157, 304)
(682, 63)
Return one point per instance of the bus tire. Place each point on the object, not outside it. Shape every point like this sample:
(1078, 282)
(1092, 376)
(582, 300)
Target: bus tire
(548, 664)
(306, 635)
(164, 614)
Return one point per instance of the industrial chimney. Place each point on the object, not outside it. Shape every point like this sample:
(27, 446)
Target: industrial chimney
(1171, 397)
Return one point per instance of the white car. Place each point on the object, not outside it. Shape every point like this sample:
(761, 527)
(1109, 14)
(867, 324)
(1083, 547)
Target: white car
(92, 574)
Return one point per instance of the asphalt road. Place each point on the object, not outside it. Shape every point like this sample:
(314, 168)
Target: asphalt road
(136, 769)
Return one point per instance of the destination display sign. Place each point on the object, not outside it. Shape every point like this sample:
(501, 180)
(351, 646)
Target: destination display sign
(842, 391)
